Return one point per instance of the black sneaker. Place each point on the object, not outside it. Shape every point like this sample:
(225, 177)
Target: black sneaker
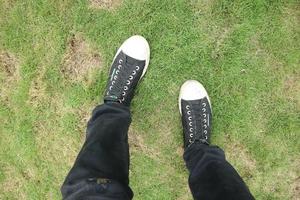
(195, 110)
(129, 66)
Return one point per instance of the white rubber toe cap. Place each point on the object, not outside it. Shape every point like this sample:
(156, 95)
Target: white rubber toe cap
(138, 48)
(192, 90)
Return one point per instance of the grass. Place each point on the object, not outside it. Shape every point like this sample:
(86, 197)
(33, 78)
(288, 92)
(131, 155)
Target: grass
(246, 53)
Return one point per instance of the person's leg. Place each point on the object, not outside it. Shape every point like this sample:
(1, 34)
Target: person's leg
(102, 167)
(211, 176)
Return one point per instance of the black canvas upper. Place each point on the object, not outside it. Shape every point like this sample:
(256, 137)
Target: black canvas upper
(123, 78)
(196, 121)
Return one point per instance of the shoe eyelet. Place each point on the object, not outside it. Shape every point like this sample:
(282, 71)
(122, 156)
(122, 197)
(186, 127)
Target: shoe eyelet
(115, 77)
(117, 72)
(191, 135)
(203, 109)
(206, 137)
(204, 104)
(123, 99)
(119, 67)
(204, 120)
(187, 107)
(204, 115)
(110, 87)
(189, 112)
(130, 77)
(123, 93)
(134, 72)
(113, 82)
(125, 87)
(205, 132)
(128, 82)
(191, 124)
(191, 129)
(137, 68)
(205, 126)
(120, 61)
(190, 118)
(190, 141)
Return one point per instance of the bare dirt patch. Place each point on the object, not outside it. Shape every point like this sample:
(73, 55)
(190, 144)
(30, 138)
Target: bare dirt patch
(296, 189)
(37, 93)
(9, 74)
(80, 59)
(9, 64)
(136, 141)
(105, 4)
(137, 144)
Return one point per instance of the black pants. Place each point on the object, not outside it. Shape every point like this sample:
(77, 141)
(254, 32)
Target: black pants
(102, 166)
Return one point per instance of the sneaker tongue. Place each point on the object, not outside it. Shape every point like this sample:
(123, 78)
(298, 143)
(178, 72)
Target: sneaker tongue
(130, 60)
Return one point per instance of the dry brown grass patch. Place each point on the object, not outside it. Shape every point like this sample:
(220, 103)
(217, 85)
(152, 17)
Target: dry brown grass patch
(84, 113)
(137, 144)
(295, 177)
(292, 88)
(203, 6)
(9, 64)
(80, 60)
(14, 182)
(37, 93)
(136, 141)
(240, 157)
(105, 4)
(296, 189)
(9, 74)
(291, 17)
(220, 40)
(186, 194)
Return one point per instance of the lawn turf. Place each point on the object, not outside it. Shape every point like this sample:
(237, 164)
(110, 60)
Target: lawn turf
(245, 52)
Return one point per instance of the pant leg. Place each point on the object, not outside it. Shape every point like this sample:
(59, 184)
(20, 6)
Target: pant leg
(211, 176)
(101, 170)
